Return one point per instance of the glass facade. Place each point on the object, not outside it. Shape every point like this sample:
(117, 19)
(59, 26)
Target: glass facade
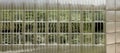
(76, 26)
(58, 23)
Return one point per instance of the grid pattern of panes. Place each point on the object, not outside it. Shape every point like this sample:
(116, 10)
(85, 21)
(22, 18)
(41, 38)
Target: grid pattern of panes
(52, 27)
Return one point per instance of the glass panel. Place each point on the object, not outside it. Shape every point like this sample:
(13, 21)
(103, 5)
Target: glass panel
(75, 27)
(40, 27)
(76, 15)
(64, 15)
(99, 38)
(87, 39)
(52, 27)
(28, 27)
(99, 15)
(99, 27)
(8, 15)
(41, 15)
(6, 39)
(41, 4)
(6, 27)
(28, 38)
(17, 27)
(52, 15)
(64, 27)
(17, 16)
(87, 27)
(52, 4)
(87, 15)
(76, 38)
(29, 15)
(63, 38)
(10, 38)
(16, 39)
(52, 39)
(40, 38)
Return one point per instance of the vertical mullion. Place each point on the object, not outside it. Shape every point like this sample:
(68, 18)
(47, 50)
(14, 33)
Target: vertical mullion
(81, 31)
(87, 30)
(3, 32)
(34, 13)
(104, 31)
(35, 29)
(93, 29)
(23, 26)
(1, 39)
(96, 31)
(7, 25)
(11, 30)
(46, 26)
(58, 26)
(19, 30)
(70, 29)
(87, 26)
(91, 15)
(100, 28)
(11, 22)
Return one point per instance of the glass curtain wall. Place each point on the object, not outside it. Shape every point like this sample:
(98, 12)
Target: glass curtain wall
(54, 22)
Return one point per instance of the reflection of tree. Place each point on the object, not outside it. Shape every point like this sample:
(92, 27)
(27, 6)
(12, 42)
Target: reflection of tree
(63, 39)
(52, 39)
(99, 39)
(29, 27)
(40, 39)
(28, 38)
(41, 16)
(75, 39)
(63, 15)
(87, 27)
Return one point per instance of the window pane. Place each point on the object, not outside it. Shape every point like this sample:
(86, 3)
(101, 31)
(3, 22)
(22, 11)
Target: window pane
(40, 27)
(52, 15)
(6, 15)
(99, 38)
(76, 39)
(52, 39)
(76, 15)
(6, 27)
(64, 15)
(99, 15)
(28, 27)
(28, 38)
(75, 27)
(99, 27)
(29, 15)
(40, 38)
(87, 15)
(63, 38)
(80, 22)
(87, 27)
(52, 27)
(40, 15)
(17, 27)
(87, 39)
(64, 27)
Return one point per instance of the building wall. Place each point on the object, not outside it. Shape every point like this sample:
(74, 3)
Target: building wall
(113, 26)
